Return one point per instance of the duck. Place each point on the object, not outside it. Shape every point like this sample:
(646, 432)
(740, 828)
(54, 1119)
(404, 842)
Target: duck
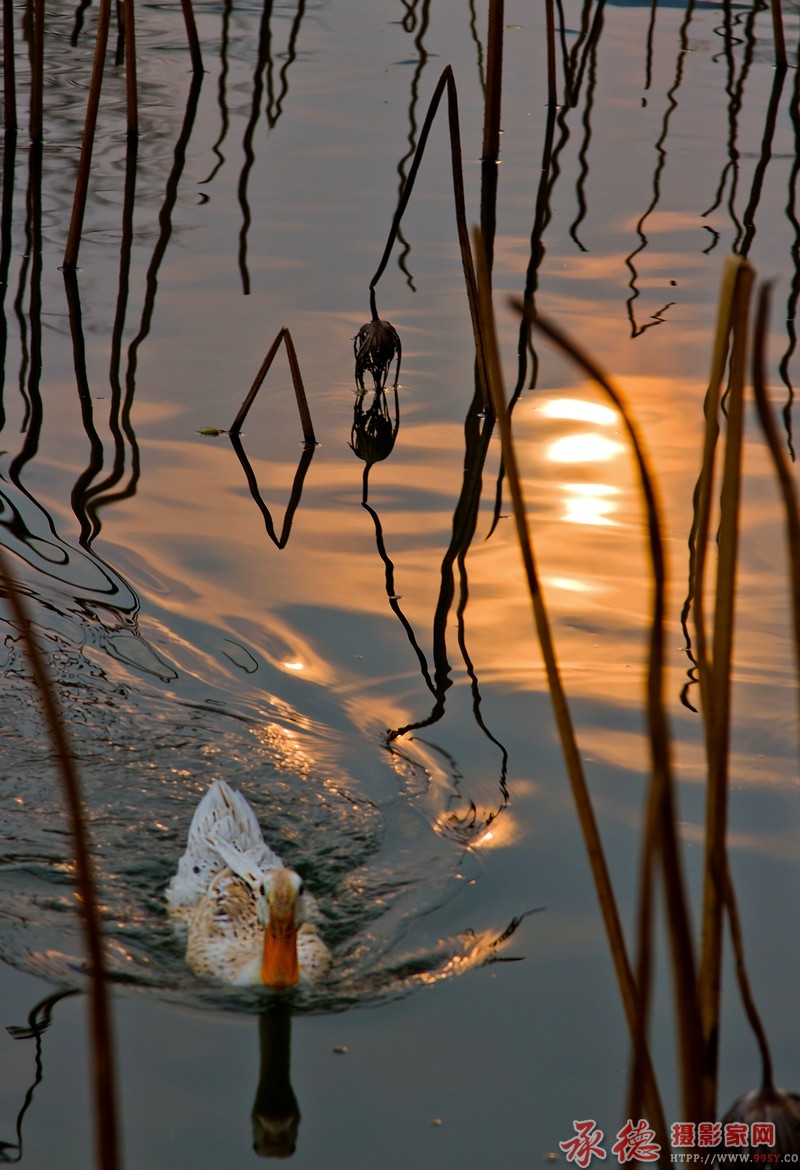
(246, 917)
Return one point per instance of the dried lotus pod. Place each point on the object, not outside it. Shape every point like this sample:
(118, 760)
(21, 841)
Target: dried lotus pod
(773, 1105)
(375, 347)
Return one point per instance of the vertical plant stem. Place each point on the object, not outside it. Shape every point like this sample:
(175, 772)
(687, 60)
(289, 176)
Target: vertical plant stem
(780, 461)
(730, 277)
(781, 60)
(494, 82)
(87, 146)
(742, 978)
(37, 73)
(102, 1052)
(131, 86)
(661, 834)
(9, 68)
(191, 35)
(447, 81)
(299, 390)
(490, 165)
(550, 19)
(569, 746)
(719, 695)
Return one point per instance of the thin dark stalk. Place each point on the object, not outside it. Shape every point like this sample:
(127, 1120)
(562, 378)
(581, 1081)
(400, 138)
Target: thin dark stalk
(569, 746)
(306, 455)
(131, 86)
(37, 73)
(718, 695)
(102, 1050)
(551, 51)
(446, 81)
(703, 490)
(781, 60)
(87, 146)
(782, 466)
(742, 978)
(297, 381)
(661, 838)
(494, 82)
(491, 127)
(749, 216)
(191, 35)
(9, 68)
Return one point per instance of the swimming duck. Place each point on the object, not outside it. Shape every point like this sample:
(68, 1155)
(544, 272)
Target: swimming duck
(248, 919)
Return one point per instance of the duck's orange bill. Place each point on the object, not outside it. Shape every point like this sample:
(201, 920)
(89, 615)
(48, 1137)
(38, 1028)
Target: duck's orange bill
(279, 967)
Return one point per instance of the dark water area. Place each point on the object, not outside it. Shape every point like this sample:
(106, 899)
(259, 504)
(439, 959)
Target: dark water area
(350, 642)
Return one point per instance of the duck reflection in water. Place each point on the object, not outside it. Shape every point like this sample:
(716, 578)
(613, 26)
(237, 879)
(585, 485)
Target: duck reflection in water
(276, 1113)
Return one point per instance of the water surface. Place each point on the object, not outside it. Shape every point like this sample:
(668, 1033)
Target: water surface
(374, 684)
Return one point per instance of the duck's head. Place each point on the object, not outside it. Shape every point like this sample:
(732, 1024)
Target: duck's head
(280, 912)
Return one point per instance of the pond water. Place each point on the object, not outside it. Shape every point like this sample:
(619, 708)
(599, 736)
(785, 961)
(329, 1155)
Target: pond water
(353, 649)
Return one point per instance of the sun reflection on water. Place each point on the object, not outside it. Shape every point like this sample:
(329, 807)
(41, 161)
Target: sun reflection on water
(589, 503)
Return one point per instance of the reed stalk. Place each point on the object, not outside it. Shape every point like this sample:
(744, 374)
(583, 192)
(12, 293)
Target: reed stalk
(780, 461)
(446, 82)
(131, 85)
(661, 834)
(550, 26)
(191, 36)
(285, 337)
(87, 145)
(106, 1131)
(781, 60)
(564, 724)
(37, 73)
(10, 122)
(494, 82)
(715, 675)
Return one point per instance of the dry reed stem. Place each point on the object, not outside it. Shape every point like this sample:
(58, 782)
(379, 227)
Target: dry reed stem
(494, 82)
(550, 19)
(781, 60)
(730, 277)
(717, 693)
(661, 833)
(131, 85)
(37, 73)
(446, 81)
(782, 467)
(191, 36)
(10, 122)
(569, 746)
(297, 381)
(742, 978)
(87, 145)
(106, 1132)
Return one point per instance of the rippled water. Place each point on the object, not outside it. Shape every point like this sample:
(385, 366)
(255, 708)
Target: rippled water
(357, 654)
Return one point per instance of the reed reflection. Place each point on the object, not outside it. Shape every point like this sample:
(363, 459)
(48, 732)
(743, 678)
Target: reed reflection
(637, 328)
(263, 79)
(40, 1018)
(372, 440)
(794, 286)
(279, 540)
(284, 338)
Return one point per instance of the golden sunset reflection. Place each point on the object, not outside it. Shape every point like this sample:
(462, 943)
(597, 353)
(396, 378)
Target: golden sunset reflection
(589, 503)
(586, 447)
(322, 611)
(579, 411)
